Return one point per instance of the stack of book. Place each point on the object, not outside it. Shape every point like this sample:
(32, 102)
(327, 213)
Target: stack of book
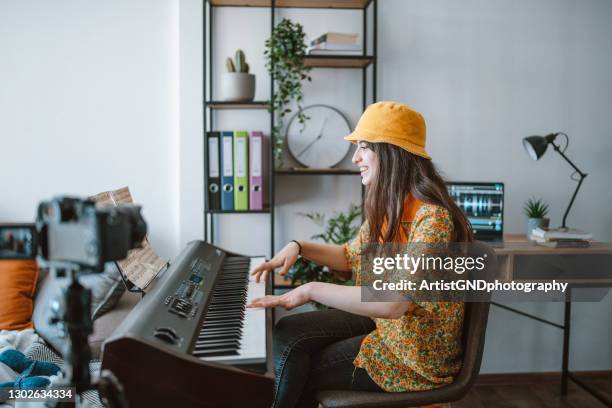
(561, 237)
(235, 171)
(335, 44)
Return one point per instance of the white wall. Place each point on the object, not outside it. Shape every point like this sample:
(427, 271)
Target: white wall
(89, 102)
(191, 203)
(112, 91)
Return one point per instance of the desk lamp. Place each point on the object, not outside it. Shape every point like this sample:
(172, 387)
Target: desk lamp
(536, 147)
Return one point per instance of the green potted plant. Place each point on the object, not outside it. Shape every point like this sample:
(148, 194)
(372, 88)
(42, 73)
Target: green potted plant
(339, 229)
(284, 52)
(237, 85)
(536, 211)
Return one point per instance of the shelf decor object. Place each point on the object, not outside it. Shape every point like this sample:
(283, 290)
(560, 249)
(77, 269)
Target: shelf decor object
(318, 143)
(237, 85)
(536, 147)
(285, 52)
(536, 211)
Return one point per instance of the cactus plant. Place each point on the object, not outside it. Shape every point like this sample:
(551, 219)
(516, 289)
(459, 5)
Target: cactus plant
(230, 65)
(239, 63)
(239, 58)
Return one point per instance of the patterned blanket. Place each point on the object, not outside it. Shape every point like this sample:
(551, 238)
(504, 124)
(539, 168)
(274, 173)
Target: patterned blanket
(34, 347)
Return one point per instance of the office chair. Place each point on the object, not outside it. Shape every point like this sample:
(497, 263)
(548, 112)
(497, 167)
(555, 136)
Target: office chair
(474, 328)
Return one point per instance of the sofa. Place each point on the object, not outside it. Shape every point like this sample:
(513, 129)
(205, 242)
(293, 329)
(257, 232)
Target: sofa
(48, 292)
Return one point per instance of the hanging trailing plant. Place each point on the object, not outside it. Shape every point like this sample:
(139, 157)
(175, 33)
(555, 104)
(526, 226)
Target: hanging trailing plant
(285, 51)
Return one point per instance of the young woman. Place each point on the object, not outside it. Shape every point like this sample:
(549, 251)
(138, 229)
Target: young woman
(372, 346)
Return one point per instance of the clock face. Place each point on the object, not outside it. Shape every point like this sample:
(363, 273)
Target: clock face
(319, 142)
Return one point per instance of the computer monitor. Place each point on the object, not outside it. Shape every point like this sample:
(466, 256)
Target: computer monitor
(483, 204)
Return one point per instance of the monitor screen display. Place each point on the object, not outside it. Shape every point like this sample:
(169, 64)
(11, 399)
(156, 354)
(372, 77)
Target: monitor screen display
(17, 241)
(483, 204)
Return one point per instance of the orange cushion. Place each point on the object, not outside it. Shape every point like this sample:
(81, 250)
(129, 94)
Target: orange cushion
(17, 286)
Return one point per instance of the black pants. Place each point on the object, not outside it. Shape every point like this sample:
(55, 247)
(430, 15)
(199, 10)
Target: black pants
(315, 351)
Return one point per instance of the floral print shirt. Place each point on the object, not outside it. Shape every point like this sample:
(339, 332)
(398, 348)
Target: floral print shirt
(422, 349)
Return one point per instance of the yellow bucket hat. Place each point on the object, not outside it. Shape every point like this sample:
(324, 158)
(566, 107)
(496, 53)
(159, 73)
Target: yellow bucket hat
(393, 123)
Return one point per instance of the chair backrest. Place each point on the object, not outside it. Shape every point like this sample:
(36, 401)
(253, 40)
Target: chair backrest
(474, 332)
(476, 316)
(475, 320)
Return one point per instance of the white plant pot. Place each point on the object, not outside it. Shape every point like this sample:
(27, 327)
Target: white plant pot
(533, 223)
(237, 87)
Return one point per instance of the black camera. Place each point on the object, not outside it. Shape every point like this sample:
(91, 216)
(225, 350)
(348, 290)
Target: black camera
(73, 233)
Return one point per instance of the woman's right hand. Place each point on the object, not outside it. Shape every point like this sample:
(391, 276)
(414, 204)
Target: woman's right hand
(284, 259)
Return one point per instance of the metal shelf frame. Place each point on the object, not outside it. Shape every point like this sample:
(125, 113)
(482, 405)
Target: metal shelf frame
(321, 4)
(210, 105)
(316, 172)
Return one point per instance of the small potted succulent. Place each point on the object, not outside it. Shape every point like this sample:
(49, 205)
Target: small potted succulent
(536, 211)
(237, 85)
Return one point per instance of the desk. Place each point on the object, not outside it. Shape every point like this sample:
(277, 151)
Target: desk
(514, 264)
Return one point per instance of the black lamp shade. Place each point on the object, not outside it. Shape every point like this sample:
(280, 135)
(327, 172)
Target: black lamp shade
(535, 146)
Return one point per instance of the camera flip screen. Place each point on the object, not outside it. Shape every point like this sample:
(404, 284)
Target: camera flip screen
(17, 241)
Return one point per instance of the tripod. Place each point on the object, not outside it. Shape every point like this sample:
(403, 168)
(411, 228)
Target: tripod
(75, 321)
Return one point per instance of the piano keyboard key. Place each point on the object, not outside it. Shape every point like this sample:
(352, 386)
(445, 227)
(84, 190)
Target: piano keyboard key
(209, 354)
(230, 330)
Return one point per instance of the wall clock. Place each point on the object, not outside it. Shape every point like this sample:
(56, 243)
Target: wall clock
(318, 143)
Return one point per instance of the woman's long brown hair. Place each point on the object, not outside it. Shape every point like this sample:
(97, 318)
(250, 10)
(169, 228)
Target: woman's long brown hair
(401, 173)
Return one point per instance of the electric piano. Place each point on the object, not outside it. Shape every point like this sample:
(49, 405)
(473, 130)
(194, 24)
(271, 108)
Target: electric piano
(190, 342)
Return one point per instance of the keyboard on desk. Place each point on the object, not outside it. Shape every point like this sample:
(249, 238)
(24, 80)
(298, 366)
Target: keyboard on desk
(194, 334)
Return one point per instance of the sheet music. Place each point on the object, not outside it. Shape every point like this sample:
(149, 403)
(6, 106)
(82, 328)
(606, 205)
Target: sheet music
(142, 265)
(103, 199)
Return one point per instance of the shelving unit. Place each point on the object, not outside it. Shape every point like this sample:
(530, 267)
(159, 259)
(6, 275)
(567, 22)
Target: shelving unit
(364, 62)
(237, 105)
(282, 282)
(338, 61)
(320, 172)
(332, 4)
(264, 211)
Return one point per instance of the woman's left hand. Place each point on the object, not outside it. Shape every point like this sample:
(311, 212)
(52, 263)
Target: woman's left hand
(294, 298)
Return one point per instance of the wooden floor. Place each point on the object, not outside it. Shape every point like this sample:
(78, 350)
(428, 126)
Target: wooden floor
(534, 390)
